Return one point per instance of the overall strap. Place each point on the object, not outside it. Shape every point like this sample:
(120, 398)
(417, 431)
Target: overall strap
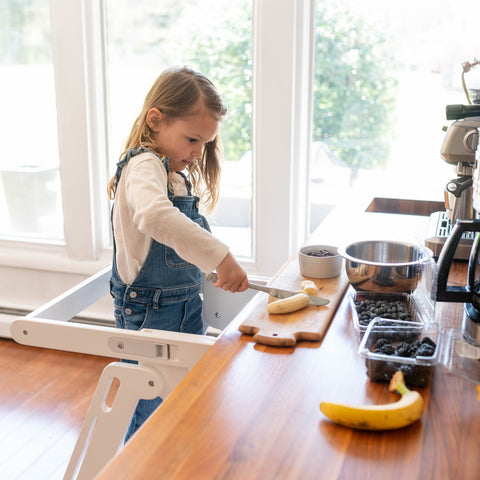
(121, 164)
(136, 151)
(188, 185)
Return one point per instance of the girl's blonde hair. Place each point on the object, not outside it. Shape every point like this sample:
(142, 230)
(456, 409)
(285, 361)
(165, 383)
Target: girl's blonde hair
(176, 93)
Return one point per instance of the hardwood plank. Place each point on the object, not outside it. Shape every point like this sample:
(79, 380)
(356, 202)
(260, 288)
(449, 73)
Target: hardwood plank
(44, 396)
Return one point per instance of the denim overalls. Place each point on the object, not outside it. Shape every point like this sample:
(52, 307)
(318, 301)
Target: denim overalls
(165, 293)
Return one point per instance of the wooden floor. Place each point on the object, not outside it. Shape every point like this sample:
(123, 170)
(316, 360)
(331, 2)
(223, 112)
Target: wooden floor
(44, 396)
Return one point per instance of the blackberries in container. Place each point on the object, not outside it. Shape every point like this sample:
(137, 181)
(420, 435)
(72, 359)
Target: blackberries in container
(366, 306)
(367, 310)
(389, 346)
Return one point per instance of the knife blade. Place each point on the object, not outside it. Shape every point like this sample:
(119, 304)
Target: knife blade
(275, 292)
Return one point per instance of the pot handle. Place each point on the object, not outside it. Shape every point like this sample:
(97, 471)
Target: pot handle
(447, 293)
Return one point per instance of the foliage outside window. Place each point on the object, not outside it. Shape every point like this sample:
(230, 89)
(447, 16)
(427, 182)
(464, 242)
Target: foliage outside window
(354, 87)
(213, 36)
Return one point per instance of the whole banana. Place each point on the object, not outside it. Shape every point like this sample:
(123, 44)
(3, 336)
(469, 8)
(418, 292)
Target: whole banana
(379, 417)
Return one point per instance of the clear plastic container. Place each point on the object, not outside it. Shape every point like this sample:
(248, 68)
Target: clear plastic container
(452, 352)
(459, 356)
(419, 305)
(362, 319)
(407, 336)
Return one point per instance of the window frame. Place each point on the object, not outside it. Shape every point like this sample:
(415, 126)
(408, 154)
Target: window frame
(78, 32)
(282, 126)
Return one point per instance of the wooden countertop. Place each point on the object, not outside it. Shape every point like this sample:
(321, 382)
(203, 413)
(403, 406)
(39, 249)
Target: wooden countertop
(248, 411)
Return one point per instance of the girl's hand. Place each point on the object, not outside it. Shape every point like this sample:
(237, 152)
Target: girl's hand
(231, 275)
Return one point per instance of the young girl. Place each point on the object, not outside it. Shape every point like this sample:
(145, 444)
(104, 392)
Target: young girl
(161, 243)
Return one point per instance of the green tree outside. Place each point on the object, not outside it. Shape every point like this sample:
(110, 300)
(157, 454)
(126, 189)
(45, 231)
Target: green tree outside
(354, 89)
(223, 51)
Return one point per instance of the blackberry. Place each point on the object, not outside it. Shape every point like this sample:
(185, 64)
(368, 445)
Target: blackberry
(407, 370)
(385, 349)
(380, 342)
(403, 350)
(385, 373)
(425, 350)
(428, 341)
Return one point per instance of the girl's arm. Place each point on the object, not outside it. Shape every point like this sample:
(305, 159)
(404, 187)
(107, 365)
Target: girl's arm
(149, 213)
(231, 275)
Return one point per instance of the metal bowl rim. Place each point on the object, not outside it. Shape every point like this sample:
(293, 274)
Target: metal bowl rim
(426, 252)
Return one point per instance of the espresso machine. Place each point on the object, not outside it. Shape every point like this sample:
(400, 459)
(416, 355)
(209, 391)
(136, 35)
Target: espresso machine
(458, 149)
(462, 346)
(456, 233)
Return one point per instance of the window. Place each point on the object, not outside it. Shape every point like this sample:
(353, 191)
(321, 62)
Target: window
(30, 205)
(384, 73)
(214, 37)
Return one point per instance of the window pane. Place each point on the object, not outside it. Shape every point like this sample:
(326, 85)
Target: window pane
(384, 72)
(212, 36)
(30, 206)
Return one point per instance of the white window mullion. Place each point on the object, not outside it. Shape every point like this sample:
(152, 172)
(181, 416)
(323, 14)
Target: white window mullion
(281, 129)
(97, 110)
(302, 120)
(80, 133)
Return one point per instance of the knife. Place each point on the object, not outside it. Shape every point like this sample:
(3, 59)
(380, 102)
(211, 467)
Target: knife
(276, 292)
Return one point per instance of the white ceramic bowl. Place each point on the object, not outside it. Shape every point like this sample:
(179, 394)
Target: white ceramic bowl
(319, 267)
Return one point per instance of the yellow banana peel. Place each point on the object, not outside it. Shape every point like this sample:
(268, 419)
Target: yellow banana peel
(390, 416)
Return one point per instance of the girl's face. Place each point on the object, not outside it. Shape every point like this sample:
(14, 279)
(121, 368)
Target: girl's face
(182, 139)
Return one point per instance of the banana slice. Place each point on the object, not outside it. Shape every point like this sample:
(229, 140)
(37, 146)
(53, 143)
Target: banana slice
(309, 287)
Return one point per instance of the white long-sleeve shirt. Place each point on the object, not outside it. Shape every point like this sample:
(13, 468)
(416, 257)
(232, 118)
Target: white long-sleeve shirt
(143, 211)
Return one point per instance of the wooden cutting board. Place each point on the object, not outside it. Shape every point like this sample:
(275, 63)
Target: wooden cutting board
(309, 323)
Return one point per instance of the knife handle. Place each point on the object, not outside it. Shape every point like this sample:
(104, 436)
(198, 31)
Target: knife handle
(213, 277)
